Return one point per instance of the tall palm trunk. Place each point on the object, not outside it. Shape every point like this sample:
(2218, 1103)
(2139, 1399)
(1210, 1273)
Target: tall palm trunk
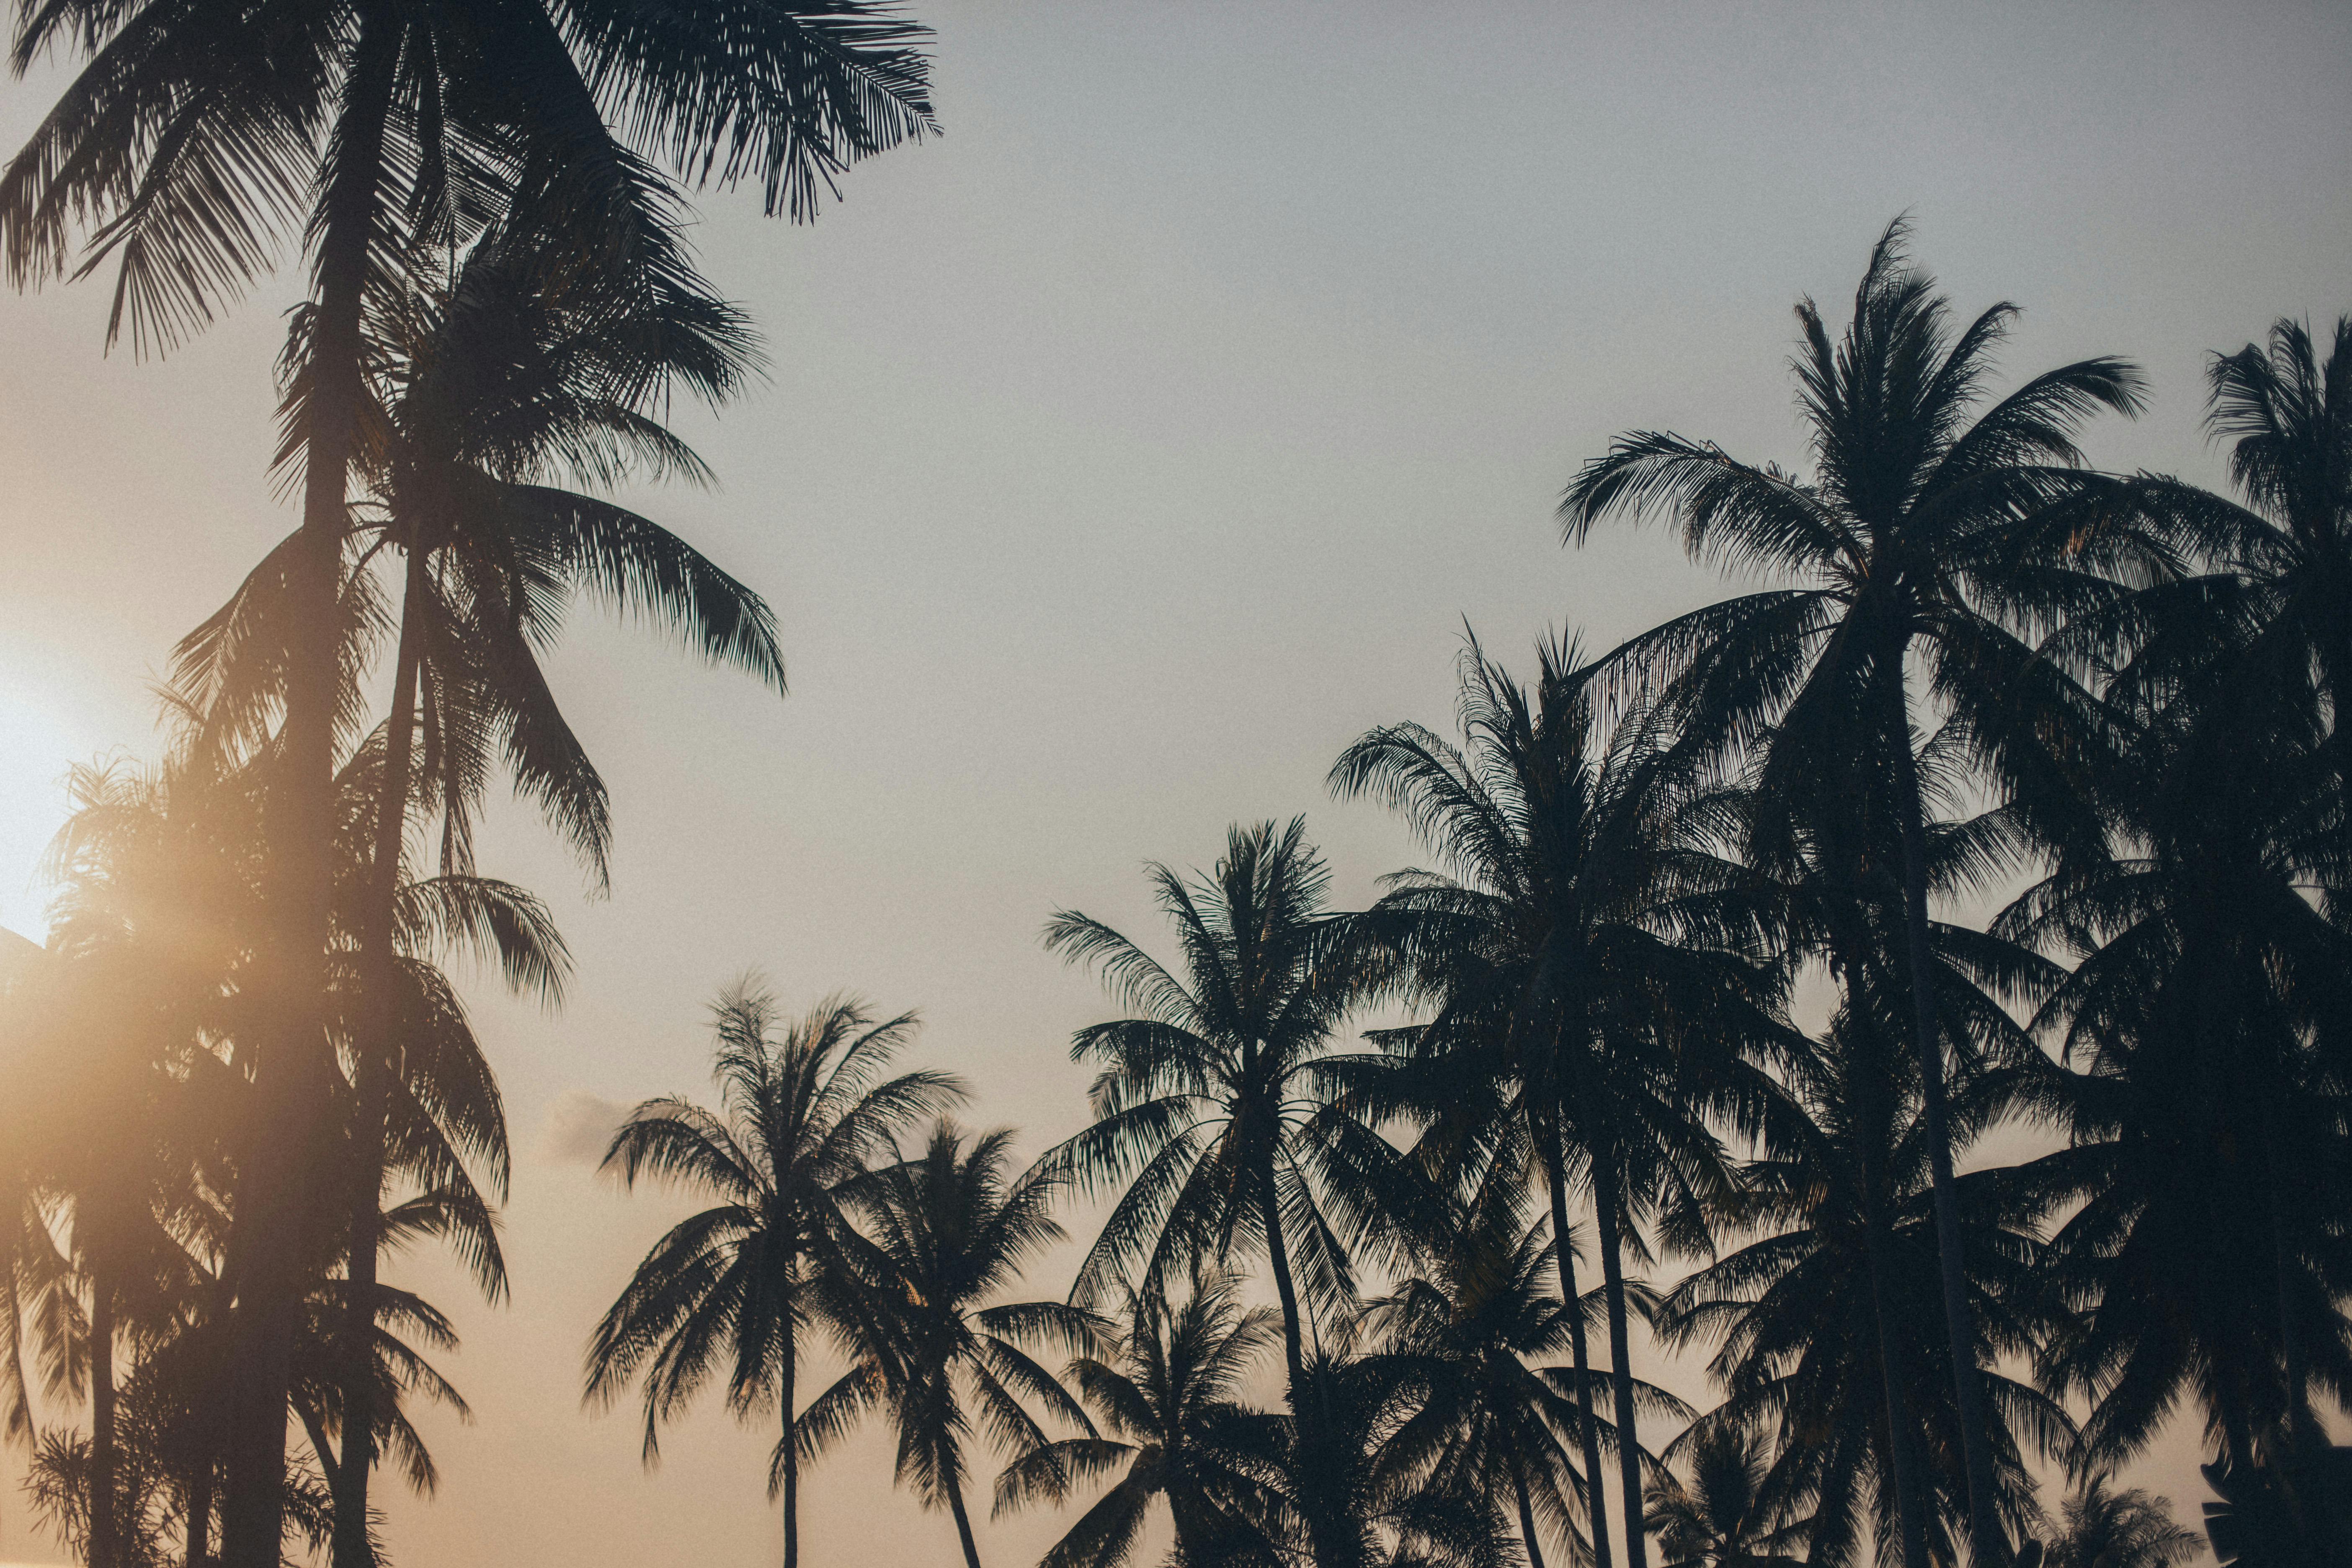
(1989, 1540)
(1596, 1505)
(104, 1549)
(963, 1525)
(294, 1069)
(373, 1075)
(1901, 1439)
(1527, 1511)
(791, 1451)
(1605, 1196)
(2298, 1417)
(197, 1529)
(1305, 1427)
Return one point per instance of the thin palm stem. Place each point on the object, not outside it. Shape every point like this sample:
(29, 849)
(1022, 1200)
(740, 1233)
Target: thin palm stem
(1596, 1505)
(1988, 1540)
(1612, 1278)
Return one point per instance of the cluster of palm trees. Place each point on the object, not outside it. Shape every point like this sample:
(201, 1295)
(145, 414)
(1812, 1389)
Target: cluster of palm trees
(273, 1079)
(1685, 991)
(1684, 999)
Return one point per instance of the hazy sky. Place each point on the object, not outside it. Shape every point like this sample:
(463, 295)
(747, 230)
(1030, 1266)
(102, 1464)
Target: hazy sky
(1129, 450)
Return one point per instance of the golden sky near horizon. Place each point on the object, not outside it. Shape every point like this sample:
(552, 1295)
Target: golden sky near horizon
(1129, 450)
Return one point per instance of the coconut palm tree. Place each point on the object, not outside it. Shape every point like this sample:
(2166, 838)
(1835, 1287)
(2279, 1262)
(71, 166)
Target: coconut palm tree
(1580, 944)
(1830, 1303)
(1471, 1326)
(198, 131)
(1932, 524)
(1221, 1114)
(1178, 1433)
(2106, 1529)
(2210, 1121)
(1715, 1519)
(805, 1108)
(950, 1229)
(515, 373)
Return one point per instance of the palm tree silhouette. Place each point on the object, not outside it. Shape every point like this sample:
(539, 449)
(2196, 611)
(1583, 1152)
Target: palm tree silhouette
(1580, 952)
(192, 138)
(513, 370)
(2106, 1529)
(1178, 1434)
(1466, 1326)
(1716, 1518)
(1220, 1110)
(1927, 521)
(949, 1229)
(804, 1110)
(1841, 1267)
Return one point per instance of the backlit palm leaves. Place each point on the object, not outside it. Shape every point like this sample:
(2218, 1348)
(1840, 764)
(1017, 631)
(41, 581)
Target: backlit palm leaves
(731, 1293)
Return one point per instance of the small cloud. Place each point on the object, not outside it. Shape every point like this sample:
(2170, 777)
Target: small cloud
(579, 1128)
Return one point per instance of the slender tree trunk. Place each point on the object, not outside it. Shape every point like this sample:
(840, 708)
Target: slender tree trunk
(295, 1066)
(197, 1529)
(1901, 1439)
(373, 1077)
(792, 1453)
(104, 1550)
(1527, 1511)
(1989, 1540)
(1613, 1277)
(1596, 1502)
(1306, 1425)
(963, 1525)
(2297, 1414)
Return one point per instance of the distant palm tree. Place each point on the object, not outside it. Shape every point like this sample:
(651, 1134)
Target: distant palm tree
(732, 1291)
(1178, 1434)
(1840, 1267)
(1472, 1326)
(1584, 955)
(1716, 1518)
(2104, 1528)
(1221, 1111)
(1927, 526)
(950, 1229)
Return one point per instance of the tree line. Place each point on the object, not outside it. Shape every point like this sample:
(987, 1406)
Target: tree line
(1684, 999)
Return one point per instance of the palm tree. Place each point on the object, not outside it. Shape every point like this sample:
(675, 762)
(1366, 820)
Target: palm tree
(1580, 950)
(192, 138)
(1466, 1326)
(512, 370)
(1826, 1318)
(805, 1108)
(950, 1230)
(1716, 1518)
(1927, 524)
(2104, 1529)
(1179, 1434)
(1220, 1110)
(2210, 1121)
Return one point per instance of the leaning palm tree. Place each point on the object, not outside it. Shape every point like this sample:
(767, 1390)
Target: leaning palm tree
(804, 1110)
(199, 133)
(1931, 526)
(1178, 1434)
(2106, 1529)
(1584, 957)
(1221, 1112)
(949, 1229)
(1714, 1520)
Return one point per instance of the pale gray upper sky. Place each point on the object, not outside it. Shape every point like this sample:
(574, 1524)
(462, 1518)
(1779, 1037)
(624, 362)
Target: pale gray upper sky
(1129, 450)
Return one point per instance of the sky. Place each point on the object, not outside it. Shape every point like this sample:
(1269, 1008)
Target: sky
(1127, 450)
